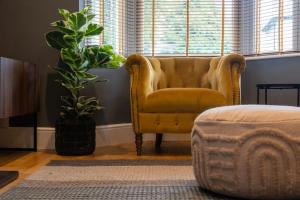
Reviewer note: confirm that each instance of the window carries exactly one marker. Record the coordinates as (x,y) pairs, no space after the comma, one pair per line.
(95,9)
(269,26)
(198,27)
(169,27)
(116,16)
(186,27)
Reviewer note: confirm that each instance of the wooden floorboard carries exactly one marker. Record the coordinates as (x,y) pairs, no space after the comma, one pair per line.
(29,162)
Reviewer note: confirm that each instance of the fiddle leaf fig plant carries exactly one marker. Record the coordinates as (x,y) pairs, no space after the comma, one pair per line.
(79,59)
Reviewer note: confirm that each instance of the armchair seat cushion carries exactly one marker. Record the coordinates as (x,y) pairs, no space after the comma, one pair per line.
(183,100)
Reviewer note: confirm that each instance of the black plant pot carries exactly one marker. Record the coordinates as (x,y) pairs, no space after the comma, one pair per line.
(75,136)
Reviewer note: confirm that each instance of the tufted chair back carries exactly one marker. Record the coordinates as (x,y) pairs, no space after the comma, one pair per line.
(180,72)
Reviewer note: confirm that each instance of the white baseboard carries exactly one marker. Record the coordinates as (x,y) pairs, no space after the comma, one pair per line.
(105,136)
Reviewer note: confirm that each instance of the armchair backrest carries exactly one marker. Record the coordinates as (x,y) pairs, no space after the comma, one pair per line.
(181,72)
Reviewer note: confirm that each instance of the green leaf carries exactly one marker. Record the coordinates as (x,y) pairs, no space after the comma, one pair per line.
(83,114)
(84,64)
(65,85)
(55,39)
(68,72)
(91,100)
(67,108)
(79,105)
(116,61)
(93,29)
(81,99)
(107,49)
(95,57)
(80,75)
(71,58)
(80,36)
(90,17)
(86,10)
(65,74)
(102,58)
(68,80)
(74,90)
(70,40)
(61,25)
(64,13)
(86,75)
(78,20)
(67,100)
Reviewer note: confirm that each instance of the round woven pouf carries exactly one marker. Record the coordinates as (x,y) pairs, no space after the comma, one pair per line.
(248,151)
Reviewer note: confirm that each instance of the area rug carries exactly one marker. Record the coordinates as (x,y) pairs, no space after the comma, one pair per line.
(112,179)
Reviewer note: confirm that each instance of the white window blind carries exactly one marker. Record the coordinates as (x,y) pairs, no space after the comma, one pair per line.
(288,15)
(205,27)
(144,27)
(113,23)
(198,27)
(269,26)
(186,27)
(97,10)
(117,18)
(170,27)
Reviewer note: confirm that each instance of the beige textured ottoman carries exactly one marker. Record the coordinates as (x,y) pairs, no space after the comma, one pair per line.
(249,151)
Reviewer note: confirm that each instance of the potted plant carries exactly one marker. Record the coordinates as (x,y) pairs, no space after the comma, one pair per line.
(75,128)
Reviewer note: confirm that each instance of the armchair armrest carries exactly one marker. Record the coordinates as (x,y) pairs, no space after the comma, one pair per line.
(141,75)
(228,75)
(141,83)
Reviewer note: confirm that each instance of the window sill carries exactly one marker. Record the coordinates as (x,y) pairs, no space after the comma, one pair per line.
(263,57)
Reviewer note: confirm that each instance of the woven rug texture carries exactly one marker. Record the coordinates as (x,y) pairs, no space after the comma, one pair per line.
(112,179)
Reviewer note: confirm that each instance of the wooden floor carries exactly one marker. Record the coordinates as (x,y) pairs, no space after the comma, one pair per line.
(29,162)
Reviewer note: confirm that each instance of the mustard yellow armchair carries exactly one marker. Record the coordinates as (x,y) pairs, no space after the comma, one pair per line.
(168,93)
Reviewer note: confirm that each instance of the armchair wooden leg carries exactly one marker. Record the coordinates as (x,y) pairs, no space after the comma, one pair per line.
(138,143)
(159,137)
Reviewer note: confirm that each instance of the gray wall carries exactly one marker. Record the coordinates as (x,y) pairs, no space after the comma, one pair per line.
(23,23)
(275,70)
